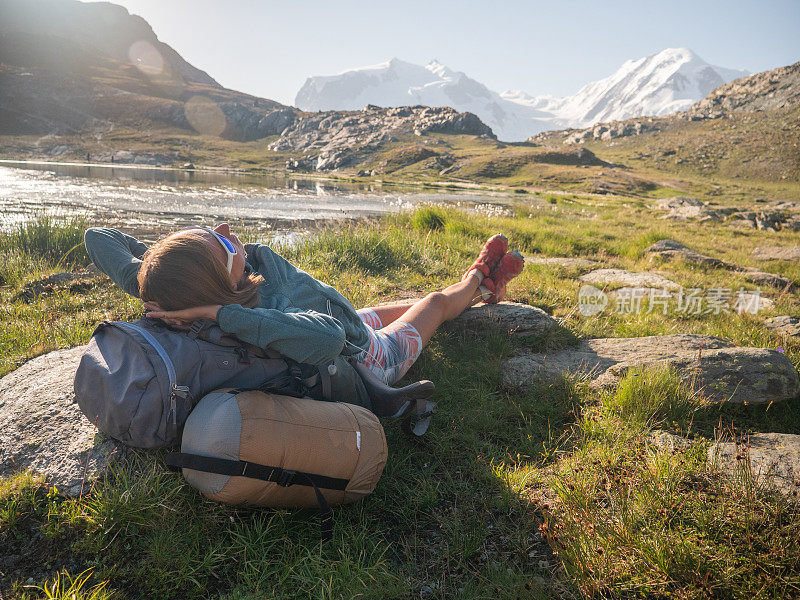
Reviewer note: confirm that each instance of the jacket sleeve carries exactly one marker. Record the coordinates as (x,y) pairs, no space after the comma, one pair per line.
(117,255)
(302,335)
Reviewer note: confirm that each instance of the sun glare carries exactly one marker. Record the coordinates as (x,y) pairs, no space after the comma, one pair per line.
(146,58)
(205,116)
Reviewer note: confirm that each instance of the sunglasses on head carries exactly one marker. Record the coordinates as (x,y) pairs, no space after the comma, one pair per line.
(227,245)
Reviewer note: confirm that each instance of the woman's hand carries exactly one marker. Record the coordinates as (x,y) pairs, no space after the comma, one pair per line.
(183,317)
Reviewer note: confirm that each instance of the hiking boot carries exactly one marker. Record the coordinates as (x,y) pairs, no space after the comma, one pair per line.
(510,266)
(489,258)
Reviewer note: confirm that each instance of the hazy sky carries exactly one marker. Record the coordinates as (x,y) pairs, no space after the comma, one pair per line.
(268,48)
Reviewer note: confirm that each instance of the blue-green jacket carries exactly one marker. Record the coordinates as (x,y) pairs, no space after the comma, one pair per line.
(297,315)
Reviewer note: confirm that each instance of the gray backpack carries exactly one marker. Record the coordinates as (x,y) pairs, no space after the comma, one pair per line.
(138,382)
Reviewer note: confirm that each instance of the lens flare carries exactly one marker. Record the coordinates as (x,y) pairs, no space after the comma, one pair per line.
(146,58)
(205,116)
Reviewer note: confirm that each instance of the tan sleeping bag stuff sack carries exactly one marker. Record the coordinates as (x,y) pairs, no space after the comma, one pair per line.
(260,449)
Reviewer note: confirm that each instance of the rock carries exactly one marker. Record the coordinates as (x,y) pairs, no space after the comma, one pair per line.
(773,457)
(603,277)
(777,253)
(52,283)
(603,131)
(561,261)
(768,221)
(770,279)
(738,375)
(670,249)
(785,325)
(684,208)
(337,139)
(757,302)
(593,357)
(517,319)
(42,428)
(678,202)
(720,372)
(668,442)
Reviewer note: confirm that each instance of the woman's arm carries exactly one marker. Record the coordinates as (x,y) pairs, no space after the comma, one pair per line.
(302,335)
(117,255)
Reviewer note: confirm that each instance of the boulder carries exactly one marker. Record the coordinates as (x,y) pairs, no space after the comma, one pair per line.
(785,325)
(710,364)
(591,358)
(516,319)
(42,428)
(620,277)
(739,375)
(560,261)
(670,249)
(770,279)
(774,459)
(777,253)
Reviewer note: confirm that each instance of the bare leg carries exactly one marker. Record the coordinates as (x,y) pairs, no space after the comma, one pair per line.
(434,309)
(389,313)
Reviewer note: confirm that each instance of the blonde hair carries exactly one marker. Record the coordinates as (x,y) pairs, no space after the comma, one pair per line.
(182,271)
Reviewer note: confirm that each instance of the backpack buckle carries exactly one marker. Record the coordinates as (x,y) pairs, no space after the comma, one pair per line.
(286,478)
(195,328)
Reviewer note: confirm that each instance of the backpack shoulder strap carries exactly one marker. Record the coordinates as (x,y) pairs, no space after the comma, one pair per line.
(209,331)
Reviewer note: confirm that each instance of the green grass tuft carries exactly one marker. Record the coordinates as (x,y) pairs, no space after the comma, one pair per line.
(428,219)
(651,396)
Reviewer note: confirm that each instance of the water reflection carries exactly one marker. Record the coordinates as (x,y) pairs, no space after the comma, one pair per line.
(156,199)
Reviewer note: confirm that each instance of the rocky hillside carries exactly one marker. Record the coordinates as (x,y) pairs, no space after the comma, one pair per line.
(770,90)
(746,129)
(71,70)
(778,89)
(335,139)
(72,67)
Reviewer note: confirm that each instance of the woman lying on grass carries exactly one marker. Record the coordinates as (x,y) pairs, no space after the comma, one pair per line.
(259,297)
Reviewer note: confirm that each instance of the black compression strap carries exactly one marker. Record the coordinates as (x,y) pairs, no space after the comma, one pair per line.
(243,468)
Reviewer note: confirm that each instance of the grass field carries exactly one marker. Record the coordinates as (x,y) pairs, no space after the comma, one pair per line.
(549,493)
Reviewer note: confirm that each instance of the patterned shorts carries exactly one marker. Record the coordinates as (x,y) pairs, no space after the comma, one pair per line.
(392,349)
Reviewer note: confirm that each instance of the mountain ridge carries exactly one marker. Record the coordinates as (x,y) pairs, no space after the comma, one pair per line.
(70,66)
(661,83)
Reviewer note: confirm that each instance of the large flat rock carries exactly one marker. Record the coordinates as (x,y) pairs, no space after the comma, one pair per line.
(721,372)
(671,250)
(512,317)
(777,253)
(42,428)
(593,357)
(740,375)
(773,457)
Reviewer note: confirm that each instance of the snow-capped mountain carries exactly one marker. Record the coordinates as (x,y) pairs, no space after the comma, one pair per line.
(399,83)
(662,83)
(656,85)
